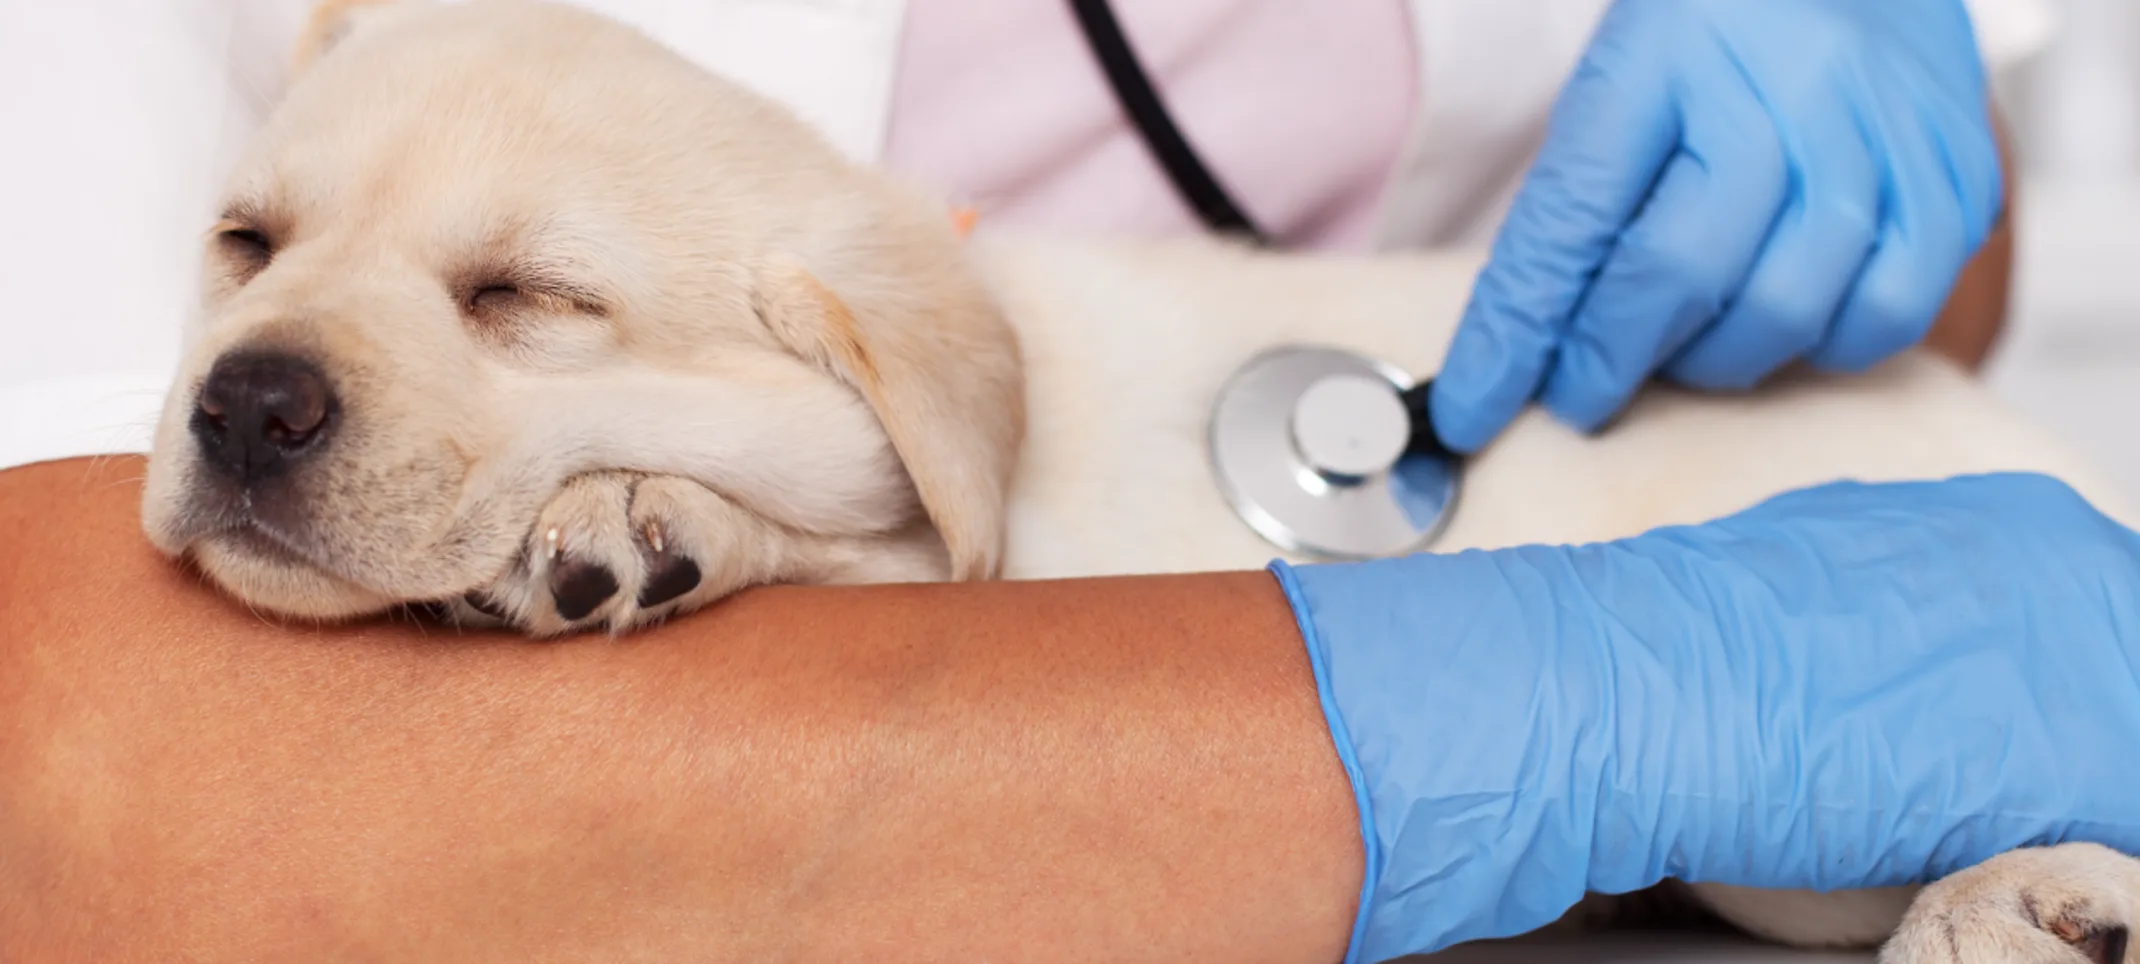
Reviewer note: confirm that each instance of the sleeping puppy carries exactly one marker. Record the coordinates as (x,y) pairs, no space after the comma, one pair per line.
(484,249)
(514,312)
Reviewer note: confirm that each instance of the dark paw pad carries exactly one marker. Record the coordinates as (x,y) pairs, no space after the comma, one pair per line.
(578,587)
(672,577)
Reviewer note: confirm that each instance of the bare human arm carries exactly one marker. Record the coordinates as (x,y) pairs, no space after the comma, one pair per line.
(1117,770)
(1975,316)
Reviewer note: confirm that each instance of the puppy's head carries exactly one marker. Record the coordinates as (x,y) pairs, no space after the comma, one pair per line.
(482,247)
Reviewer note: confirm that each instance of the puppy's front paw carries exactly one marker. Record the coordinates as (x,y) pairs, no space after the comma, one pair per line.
(620,550)
(2071,904)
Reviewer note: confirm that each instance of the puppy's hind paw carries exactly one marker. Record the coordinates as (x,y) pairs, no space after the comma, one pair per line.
(2070,904)
(621,550)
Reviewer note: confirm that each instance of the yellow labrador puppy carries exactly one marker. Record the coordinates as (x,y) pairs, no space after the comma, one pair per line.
(514,311)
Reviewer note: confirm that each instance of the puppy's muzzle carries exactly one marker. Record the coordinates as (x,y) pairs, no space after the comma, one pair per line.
(261,412)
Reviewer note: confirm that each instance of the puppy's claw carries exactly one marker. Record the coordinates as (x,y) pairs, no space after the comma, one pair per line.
(551,539)
(579,587)
(2101,943)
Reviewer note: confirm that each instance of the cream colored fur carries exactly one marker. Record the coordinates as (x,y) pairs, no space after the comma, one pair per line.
(678,254)
(716,341)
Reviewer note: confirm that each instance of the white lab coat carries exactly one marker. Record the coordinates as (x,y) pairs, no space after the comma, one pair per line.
(121,115)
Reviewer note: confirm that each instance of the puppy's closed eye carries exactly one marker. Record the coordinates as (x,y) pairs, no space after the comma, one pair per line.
(246,249)
(530,322)
(533,322)
(495,297)
(493,302)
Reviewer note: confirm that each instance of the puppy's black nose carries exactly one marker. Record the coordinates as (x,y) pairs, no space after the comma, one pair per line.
(260,412)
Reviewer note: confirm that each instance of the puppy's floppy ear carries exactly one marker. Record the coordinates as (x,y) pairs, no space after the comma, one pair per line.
(332,22)
(935,359)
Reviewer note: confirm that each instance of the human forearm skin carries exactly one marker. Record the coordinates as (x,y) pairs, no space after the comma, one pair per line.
(1120,770)
(1975,316)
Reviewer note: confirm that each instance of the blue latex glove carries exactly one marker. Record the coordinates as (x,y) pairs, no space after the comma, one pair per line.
(1847,686)
(1727,186)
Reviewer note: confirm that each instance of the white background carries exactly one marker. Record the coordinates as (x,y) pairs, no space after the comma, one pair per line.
(2071,357)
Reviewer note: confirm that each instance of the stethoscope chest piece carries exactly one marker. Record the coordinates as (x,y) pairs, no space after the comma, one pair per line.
(1326,453)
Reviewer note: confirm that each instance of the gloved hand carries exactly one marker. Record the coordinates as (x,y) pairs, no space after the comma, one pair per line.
(1848,686)
(1726,187)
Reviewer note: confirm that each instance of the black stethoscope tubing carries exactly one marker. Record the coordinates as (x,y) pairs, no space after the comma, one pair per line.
(1193,179)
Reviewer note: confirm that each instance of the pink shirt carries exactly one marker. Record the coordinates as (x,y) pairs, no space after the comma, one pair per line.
(1299,108)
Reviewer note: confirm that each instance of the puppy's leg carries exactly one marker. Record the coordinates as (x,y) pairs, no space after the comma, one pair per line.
(705,547)
(621,550)
(2070,904)
(1850,919)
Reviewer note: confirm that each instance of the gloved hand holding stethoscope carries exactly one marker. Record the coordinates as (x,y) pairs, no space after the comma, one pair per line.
(1725,188)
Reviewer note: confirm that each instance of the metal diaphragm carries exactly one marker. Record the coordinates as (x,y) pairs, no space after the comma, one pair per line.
(1316,449)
